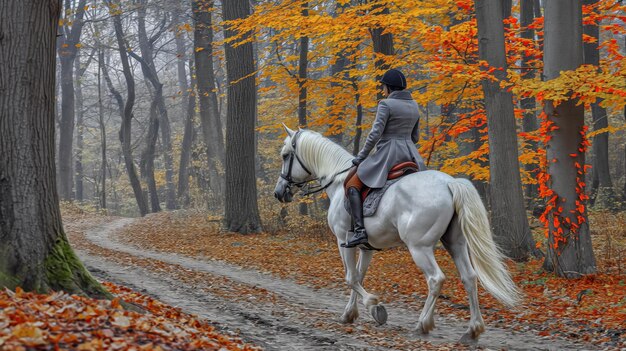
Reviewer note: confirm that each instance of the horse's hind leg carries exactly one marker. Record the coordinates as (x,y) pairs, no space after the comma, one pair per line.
(455,243)
(424,257)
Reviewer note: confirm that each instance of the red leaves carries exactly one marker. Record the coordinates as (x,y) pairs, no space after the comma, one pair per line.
(557,223)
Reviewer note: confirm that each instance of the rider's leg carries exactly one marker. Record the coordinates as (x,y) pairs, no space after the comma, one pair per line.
(353,192)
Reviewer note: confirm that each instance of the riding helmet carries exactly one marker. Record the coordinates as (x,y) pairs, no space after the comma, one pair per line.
(394,78)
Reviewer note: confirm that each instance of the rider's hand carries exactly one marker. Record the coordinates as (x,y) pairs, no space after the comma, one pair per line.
(357,161)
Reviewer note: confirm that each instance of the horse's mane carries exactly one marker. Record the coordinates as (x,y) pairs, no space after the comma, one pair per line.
(323,155)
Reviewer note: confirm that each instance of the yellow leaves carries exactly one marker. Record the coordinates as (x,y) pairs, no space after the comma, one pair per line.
(198,49)
(29,334)
(185,28)
(609,129)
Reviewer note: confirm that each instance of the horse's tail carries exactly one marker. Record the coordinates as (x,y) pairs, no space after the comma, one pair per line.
(486,257)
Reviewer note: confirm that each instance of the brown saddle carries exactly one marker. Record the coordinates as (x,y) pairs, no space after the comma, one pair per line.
(397,171)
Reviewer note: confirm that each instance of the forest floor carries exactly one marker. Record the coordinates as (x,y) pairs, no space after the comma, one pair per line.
(286,290)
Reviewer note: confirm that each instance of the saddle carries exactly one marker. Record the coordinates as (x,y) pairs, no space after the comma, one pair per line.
(397,171)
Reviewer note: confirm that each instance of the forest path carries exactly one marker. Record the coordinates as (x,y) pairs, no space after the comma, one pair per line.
(277,314)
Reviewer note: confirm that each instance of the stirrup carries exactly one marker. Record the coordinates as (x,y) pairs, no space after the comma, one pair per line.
(367,246)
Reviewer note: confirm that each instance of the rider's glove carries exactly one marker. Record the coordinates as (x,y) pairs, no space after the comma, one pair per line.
(357,161)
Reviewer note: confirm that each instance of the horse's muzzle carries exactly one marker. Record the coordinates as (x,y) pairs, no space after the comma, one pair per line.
(283,192)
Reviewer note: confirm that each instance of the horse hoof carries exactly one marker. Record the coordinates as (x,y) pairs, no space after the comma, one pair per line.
(349,317)
(371,301)
(379,313)
(424,328)
(469,338)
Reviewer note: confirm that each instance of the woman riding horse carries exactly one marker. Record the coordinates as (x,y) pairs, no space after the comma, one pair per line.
(394,133)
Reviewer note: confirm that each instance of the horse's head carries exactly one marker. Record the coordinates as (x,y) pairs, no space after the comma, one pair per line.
(294,173)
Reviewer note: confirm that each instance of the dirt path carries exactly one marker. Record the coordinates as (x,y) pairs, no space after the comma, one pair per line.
(274,313)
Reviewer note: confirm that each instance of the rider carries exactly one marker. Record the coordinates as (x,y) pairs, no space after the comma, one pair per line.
(394,132)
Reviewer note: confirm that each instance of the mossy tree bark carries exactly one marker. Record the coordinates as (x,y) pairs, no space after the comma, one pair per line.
(34,251)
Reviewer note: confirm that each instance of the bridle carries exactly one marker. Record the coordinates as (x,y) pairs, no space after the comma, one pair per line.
(293,155)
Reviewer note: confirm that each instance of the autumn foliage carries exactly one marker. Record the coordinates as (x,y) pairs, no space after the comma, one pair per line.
(60,321)
(436,45)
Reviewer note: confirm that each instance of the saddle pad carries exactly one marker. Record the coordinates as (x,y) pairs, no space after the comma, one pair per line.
(370,205)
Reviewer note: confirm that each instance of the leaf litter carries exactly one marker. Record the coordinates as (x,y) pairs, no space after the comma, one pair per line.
(590,309)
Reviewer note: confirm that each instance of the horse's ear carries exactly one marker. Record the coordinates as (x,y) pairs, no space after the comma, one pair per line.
(289,131)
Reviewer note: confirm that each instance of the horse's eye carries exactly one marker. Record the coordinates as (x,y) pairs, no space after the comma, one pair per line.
(284,157)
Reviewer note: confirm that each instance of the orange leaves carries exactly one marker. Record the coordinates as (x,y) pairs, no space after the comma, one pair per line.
(62,321)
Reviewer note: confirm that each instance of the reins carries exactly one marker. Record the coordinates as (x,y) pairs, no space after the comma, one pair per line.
(293,155)
(322,188)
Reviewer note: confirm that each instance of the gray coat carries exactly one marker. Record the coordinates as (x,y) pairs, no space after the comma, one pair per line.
(394,132)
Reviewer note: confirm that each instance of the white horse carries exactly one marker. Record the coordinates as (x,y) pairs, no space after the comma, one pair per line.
(417,211)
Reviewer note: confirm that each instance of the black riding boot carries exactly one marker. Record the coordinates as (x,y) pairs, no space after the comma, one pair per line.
(356,207)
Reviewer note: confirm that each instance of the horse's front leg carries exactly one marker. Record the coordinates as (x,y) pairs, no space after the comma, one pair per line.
(355,273)
(377,310)
(351,312)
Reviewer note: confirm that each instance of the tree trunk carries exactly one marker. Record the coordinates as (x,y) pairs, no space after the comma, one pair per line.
(303,64)
(383,43)
(383,46)
(602,189)
(146,165)
(127,116)
(67,50)
(537,8)
(529,122)
(189,108)
(209,115)
(103,134)
(507,6)
(35,253)
(508,215)
(66,129)
(241,209)
(80,126)
(572,255)
(146,46)
(338,70)
(359,118)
